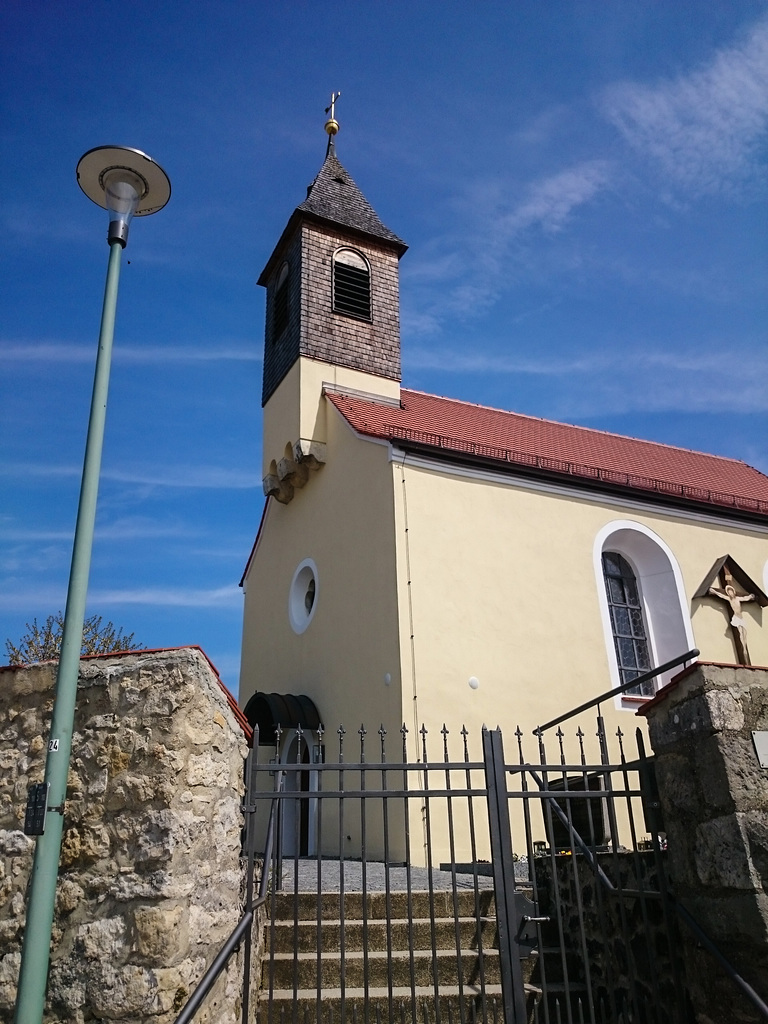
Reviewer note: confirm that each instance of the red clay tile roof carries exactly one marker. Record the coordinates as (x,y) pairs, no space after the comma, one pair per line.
(611,460)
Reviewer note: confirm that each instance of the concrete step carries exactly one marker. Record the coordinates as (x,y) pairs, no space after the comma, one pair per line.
(285,970)
(304,936)
(452,1005)
(302,919)
(303,906)
(377,1005)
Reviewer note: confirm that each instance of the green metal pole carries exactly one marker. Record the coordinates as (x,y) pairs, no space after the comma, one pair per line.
(36,950)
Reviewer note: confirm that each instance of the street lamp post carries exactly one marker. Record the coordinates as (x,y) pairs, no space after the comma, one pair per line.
(127,183)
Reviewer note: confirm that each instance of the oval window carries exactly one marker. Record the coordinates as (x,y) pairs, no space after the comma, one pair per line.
(302,596)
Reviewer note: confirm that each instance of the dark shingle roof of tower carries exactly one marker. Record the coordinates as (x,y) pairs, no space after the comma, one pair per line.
(335,197)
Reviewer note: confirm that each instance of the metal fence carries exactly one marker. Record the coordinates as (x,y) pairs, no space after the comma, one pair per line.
(462,884)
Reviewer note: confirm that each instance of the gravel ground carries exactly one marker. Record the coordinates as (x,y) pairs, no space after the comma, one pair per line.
(303,874)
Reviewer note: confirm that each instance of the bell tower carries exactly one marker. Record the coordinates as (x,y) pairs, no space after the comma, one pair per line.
(332,318)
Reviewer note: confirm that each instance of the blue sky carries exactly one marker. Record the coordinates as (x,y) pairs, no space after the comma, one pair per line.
(582,186)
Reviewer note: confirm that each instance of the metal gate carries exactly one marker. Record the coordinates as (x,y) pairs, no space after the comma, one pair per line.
(445,881)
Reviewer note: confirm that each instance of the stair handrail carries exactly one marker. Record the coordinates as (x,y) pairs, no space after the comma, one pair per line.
(206,983)
(682,912)
(637,681)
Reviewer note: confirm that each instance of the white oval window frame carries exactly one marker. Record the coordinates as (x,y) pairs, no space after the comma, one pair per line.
(298,616)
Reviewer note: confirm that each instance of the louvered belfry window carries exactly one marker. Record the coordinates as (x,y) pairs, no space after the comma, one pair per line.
(627,623)
(351,284)
(280,319)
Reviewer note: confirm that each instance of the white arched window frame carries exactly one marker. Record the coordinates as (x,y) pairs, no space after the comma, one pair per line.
(662,592)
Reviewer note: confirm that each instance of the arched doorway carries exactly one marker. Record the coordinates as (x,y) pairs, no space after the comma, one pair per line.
(298,817)
(291,723)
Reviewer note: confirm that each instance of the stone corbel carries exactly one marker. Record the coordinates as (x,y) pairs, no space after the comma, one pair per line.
(293,469)
(276,488)
(311,454)
(291,472)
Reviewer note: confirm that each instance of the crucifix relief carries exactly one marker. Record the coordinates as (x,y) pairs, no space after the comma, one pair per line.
(738,628)
(728,582)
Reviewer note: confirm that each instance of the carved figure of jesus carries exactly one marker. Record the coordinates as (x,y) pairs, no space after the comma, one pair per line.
(737,622)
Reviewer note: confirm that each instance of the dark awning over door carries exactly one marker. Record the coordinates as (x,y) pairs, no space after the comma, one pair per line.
(266,711)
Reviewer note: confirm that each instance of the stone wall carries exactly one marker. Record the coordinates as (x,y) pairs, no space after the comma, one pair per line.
(714,798)
(150,880)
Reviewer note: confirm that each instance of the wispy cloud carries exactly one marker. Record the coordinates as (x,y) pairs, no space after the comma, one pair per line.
(123,529)
(703,129)
(63,352)
(34,469)
(465,272)
(550,202)
(660,380)
(180,597)
(203,477)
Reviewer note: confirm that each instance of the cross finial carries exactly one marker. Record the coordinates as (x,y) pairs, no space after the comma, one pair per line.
(332,125)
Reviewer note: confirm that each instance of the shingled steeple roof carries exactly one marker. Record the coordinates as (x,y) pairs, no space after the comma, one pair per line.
(334,198)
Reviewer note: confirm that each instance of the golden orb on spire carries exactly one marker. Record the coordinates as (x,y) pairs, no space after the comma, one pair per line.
(332,125)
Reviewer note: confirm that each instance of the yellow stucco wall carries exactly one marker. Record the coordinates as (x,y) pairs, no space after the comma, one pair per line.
(428,577)
(298,410)
(503,589)
(343,520)
(498,583)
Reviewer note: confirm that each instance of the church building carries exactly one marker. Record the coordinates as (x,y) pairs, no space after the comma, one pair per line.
(427,560)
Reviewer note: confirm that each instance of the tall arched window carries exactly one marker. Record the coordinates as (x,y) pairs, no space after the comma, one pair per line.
(351,284)
(630,636)
(643,604)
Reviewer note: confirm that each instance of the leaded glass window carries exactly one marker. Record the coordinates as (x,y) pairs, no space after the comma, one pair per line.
(627,622)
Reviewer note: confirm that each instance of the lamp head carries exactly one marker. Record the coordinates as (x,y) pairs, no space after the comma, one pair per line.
(126,182)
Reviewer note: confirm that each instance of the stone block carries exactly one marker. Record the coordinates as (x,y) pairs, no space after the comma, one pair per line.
(161,933)
(205,770)
(747,781)
(101,939)
(755,827)
(722,854)
(117,992)
(712,777)
(68,895)
(9,972)
(84,844)
(679,786)
(724,710)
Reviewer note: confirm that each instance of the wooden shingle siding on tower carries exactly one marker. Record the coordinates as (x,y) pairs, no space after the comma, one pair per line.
(281,353)
(373,347)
